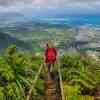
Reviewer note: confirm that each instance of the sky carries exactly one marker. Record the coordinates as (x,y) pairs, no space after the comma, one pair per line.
(51,6)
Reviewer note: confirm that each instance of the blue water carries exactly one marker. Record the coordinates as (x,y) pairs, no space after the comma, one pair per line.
(66,20)
(73,20)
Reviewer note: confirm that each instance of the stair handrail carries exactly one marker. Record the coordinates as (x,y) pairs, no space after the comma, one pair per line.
(34,82)
(61,82)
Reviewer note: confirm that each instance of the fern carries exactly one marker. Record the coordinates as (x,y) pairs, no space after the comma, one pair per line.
(77,69)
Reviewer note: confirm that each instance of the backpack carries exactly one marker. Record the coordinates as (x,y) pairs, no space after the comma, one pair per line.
(51,54)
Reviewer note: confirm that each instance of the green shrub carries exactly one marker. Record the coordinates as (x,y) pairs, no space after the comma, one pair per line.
(17,71)
(80,69)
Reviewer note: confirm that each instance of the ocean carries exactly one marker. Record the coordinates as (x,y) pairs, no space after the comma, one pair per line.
(73,20)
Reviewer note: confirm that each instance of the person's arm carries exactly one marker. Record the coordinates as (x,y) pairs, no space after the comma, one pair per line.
(57,57)
(44,58)
(44,61)
(44,55)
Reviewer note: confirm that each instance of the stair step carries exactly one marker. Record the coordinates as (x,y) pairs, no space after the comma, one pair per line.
(50,92)
(51,88)
(54,97)
(49,81)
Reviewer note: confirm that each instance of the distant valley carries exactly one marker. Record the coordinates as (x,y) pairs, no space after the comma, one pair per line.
(67,33)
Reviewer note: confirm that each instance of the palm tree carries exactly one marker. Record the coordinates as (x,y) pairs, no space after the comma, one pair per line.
(16,75)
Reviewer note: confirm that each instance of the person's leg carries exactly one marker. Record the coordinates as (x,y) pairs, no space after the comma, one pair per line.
(49,67)
(49,74)
(52,67)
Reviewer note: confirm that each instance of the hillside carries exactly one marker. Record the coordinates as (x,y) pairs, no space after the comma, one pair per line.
(6,40)
(68,32)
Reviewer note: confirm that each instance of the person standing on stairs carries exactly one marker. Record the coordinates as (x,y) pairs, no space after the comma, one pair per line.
(50,56)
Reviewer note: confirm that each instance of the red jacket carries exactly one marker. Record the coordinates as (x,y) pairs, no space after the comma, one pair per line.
(50,55)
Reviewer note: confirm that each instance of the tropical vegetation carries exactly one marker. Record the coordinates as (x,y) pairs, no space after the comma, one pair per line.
(80,73)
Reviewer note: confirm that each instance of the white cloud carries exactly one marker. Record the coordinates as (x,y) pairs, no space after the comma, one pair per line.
(77,5)
(46,2)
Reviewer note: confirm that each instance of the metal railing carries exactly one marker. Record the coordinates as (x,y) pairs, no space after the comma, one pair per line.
(34,82)
(61,83)
(36,78)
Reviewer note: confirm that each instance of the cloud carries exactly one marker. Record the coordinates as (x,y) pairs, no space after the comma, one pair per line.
(77,5)
(45,2)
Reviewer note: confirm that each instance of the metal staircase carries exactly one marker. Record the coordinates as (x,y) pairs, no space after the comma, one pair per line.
(53,86)
(51,90)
